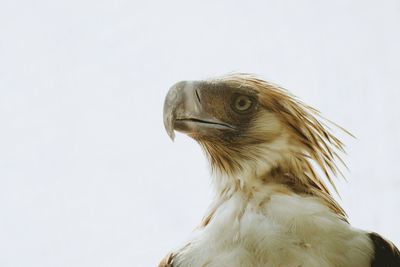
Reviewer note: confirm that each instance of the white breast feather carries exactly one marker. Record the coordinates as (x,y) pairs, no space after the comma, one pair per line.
(285,231)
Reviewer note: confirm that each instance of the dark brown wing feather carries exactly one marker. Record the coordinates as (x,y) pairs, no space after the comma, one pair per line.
(386,254)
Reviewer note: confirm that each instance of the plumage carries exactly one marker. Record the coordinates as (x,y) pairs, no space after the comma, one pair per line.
(385,253)
(271,156)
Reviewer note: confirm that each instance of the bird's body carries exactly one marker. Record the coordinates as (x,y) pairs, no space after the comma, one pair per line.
(272,229)
(271,207)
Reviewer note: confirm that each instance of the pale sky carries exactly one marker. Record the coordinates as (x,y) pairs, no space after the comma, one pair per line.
(88,176)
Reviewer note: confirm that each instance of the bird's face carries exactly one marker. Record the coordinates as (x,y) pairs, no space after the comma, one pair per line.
(229,121)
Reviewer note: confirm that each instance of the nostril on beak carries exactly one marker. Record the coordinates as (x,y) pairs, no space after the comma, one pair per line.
(197,95)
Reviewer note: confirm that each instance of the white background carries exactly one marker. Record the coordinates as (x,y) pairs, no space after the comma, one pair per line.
(88,176)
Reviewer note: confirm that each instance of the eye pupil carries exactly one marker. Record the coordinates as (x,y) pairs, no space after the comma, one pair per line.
(242,103)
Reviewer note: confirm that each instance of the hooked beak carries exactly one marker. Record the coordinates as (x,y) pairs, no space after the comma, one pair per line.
(185,112)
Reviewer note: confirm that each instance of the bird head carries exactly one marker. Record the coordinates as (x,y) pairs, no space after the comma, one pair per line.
(230,120)
(250,128)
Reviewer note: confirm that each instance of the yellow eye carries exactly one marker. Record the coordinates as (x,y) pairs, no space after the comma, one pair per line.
(242,103)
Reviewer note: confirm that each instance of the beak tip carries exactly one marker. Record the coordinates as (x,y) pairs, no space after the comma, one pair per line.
(169,124)
(171,135)
(173,103)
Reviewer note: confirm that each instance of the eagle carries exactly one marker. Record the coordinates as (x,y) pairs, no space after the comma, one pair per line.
(272,158)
